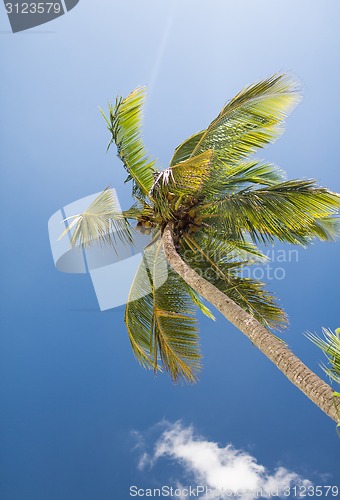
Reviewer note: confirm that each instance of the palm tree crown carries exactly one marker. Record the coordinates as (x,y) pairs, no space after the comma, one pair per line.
(221,203)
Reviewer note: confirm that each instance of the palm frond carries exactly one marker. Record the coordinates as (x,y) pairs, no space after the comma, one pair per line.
(184,150)
(180,181)
(100,222)
(160,319)
(294,211)
(224,242)
(197,300)
(248,122)
(124,123)
(229,179)
(327,228)
(188,177)
(221,264)
(222,246)
(330,345)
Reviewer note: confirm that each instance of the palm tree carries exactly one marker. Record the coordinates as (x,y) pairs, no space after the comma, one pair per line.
(206,214)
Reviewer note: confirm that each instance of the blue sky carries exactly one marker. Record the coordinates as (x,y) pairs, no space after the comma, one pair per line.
(78,413)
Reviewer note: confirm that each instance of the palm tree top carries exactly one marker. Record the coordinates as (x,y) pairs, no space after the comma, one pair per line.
(220,202)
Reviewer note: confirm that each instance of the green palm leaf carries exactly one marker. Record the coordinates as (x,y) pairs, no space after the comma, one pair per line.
(221,263)
(183,180)
(124,124)
(160,319)
(225,180)
(198,301)
(228,179)
(249,121)
(184,150)
(327,228)
(188,177)
(294,211)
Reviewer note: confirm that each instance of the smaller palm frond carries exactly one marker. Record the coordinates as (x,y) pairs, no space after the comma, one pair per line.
(327,228)
(294,211)
(221,263)
(198,301)
(225,179)
(124,123)
(160,319)
(184,150)
(175,184)
(238,249)
(188,177)
(223,245)
(248,122)
(251,295)
(330,345)
(101,222)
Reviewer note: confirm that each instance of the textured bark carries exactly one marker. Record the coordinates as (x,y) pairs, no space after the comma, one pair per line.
(297,372)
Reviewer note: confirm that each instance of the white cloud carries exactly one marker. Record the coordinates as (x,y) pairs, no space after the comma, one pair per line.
(220,469)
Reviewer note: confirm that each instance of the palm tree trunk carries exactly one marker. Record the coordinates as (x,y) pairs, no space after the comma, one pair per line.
(299,374)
